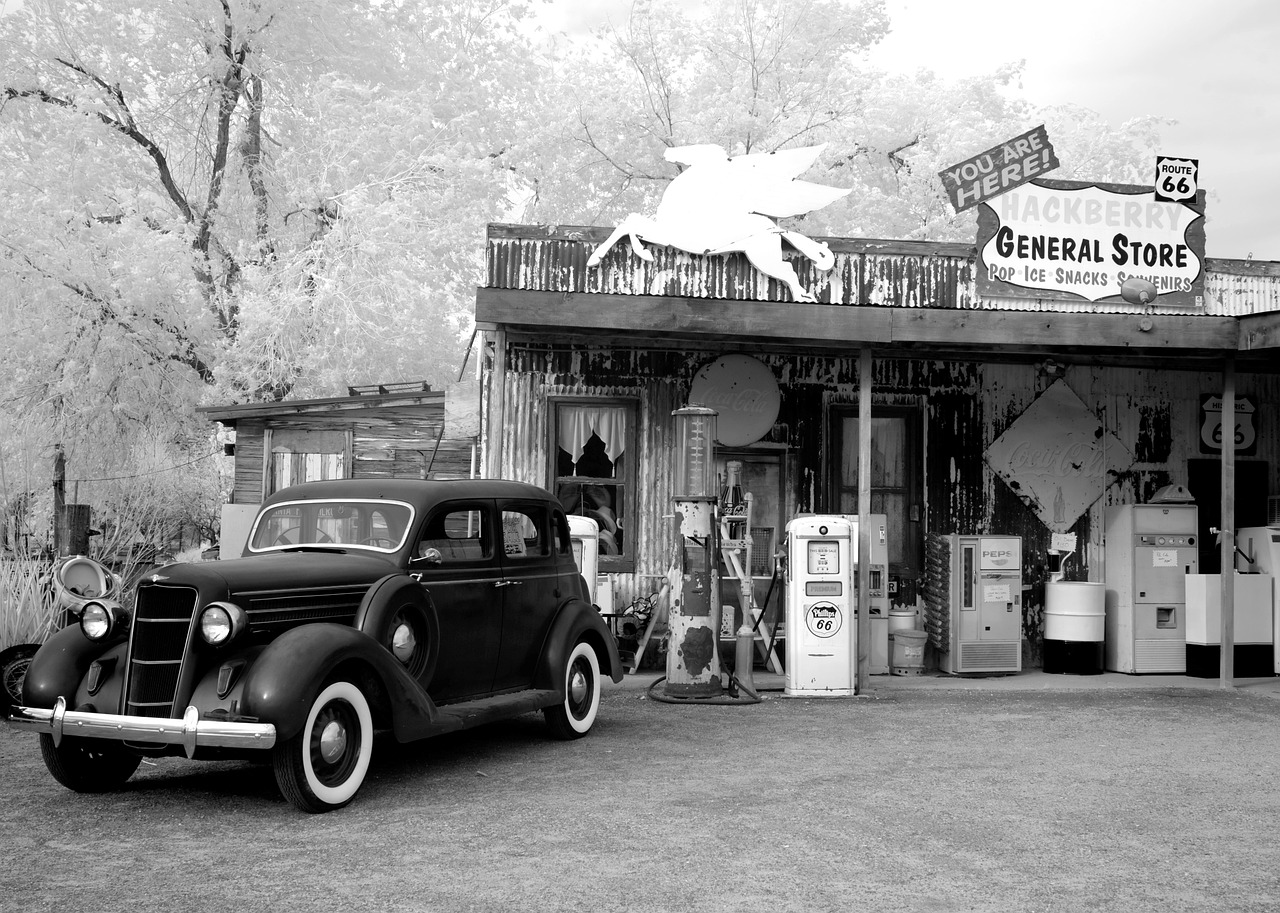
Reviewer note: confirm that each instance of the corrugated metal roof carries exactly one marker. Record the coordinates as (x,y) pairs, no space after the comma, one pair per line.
(867,272)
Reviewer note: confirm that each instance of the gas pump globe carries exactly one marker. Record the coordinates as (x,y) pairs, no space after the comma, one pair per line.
(695,469)
(693,666)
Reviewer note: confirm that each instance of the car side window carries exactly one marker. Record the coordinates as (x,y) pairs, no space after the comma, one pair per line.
(524,531)
(457,536)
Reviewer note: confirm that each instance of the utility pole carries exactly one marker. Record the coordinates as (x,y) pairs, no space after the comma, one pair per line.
(59,500)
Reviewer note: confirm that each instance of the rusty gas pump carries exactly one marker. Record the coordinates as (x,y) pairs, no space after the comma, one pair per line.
(693,662)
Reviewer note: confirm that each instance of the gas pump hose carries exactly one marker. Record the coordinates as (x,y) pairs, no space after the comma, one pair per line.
(751,698)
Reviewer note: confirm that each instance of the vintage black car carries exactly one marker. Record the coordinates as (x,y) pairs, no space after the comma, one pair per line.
(419,607)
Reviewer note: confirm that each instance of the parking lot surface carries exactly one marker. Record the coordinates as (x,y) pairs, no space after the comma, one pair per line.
(1049,793)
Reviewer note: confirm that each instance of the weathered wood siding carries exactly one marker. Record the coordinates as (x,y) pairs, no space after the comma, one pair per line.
(250,438)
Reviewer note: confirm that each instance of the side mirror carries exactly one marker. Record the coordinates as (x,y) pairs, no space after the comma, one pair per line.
(429,556)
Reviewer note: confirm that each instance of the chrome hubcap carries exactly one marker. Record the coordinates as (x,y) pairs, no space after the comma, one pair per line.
(333,741)
(403,643)
(577,686)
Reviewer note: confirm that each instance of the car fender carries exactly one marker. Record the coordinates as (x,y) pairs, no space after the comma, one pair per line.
(385,598)
(576,620)
(60,665)
(286,676)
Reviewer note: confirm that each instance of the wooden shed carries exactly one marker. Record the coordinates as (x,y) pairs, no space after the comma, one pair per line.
(395,431)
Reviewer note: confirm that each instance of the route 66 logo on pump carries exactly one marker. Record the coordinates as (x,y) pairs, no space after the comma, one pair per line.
(823,619)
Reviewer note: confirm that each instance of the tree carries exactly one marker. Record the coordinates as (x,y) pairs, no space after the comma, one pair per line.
(238,200)
(233,200)
(762,75)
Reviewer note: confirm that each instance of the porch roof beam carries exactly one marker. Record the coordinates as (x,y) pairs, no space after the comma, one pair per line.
(1123,336)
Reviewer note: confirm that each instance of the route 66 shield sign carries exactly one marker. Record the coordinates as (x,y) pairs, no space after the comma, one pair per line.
(1245,435)
(1176,179)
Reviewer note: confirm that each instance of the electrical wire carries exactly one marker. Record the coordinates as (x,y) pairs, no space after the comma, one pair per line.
(154,472)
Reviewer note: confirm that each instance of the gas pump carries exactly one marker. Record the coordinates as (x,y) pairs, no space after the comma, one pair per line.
(821,626)
(693,662)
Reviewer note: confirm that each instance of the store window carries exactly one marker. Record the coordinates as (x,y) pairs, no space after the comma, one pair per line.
(594,471)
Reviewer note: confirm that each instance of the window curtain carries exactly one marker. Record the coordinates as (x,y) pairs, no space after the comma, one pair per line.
(577,423)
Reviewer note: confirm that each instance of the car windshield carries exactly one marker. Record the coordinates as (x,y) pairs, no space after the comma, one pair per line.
(376,525)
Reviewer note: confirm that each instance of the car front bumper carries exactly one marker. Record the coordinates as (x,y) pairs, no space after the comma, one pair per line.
(190,732)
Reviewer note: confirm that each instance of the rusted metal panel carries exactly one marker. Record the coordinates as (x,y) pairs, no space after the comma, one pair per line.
(1243,291)
(909,276)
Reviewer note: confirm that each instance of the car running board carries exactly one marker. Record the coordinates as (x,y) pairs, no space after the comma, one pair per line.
(466,714)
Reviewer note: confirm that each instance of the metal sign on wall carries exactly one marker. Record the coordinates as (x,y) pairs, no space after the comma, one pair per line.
(1056,456)
(744,393)
(1211,436)
(1073,240)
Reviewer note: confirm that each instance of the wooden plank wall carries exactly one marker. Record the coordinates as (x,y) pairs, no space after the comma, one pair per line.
(966,406)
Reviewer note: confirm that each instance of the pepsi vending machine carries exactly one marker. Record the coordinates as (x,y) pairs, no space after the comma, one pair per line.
(985,633)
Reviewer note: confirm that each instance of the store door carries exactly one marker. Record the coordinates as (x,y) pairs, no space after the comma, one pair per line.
(895,485)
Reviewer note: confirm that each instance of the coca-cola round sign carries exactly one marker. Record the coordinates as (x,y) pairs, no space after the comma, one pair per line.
(745,394)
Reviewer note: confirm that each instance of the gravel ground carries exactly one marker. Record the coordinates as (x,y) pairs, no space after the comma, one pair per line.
(1055,800)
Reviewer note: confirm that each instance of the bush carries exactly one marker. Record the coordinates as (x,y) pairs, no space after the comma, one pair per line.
(28,608)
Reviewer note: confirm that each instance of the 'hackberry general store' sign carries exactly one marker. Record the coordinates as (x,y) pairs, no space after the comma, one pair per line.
(1072,240)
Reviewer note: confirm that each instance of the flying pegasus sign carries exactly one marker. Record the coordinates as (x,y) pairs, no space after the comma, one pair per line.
(721,203)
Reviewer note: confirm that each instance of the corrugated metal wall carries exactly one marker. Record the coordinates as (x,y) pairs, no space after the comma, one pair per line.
(966,406)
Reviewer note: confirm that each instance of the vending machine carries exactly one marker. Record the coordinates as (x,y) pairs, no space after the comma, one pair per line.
(1258,552)
(878,576)
(1150,549)
(821,593)
(984,633)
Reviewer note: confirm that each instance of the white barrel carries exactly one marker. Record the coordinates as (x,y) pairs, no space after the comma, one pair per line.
(903,619)
(1075,610)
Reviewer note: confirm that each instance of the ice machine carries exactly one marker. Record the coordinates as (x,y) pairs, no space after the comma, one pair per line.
(1150,549)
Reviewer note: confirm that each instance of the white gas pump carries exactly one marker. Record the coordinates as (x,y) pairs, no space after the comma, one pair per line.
(822,631)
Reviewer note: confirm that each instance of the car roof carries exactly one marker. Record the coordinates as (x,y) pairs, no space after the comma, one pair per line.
(418,492)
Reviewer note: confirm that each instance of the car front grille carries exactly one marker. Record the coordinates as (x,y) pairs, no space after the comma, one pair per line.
(161,633)
(273,613)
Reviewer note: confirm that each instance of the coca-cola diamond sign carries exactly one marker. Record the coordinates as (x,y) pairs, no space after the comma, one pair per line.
(1056,457)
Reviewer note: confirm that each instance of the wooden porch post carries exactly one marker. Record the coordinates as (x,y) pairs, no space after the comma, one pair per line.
(1226,639)
(497,404)
(862,659)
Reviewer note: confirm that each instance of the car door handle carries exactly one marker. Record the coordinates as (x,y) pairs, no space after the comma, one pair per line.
(509,583)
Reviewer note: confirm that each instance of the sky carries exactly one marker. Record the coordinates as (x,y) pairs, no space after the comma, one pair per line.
(1211,67)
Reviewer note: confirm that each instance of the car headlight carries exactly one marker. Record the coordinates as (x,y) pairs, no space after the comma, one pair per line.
(222,622)
(101,619)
